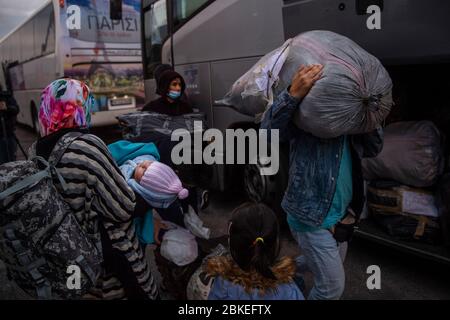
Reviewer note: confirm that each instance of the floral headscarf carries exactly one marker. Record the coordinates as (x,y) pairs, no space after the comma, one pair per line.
(65,103)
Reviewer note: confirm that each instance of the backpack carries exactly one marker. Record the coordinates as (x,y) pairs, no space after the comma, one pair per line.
(44,248)
(200,283)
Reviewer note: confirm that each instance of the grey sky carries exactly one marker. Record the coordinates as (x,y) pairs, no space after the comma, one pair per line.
(13,12)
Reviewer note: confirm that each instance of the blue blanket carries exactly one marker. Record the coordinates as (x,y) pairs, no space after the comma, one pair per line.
(125,150)
(127,156)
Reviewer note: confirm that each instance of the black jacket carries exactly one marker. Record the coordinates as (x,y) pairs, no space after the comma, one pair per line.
(8,116)
(163,106)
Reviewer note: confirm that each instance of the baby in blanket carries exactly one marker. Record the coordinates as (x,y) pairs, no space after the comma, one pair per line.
(158,178)
(157,184)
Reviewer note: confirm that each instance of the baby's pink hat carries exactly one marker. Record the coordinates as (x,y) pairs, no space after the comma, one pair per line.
(162,179)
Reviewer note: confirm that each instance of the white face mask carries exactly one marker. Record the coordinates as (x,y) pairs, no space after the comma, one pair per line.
(174,94)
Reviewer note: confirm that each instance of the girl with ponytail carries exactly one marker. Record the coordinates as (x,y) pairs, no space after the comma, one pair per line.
(253,270)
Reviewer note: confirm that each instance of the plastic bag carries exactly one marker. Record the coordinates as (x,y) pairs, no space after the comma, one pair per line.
(179,246)
(252,92)
(412,155)
(141,124)
(195,224)
(354,95)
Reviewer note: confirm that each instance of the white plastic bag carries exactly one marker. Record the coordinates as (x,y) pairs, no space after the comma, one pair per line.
(354,95)
(252,92)
(195,224)
(179,246)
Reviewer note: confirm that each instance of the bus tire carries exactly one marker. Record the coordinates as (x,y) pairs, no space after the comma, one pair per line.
(268,189)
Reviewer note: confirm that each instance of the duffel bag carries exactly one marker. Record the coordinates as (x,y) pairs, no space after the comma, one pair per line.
(412,154)
(139,124)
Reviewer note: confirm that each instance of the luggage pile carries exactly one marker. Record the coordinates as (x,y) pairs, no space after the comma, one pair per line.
(408,194)
(403,212)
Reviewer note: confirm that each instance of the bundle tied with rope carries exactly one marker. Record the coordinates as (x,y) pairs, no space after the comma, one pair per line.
(354,95)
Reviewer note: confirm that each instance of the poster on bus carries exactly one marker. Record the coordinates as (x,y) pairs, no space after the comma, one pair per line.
(104,53)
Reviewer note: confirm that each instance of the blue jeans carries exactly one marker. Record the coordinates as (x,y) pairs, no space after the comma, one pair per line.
(324,257)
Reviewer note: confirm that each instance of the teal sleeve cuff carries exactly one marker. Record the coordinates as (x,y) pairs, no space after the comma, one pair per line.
(144,228)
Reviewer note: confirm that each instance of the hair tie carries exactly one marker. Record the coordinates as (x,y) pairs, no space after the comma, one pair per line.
(258,239)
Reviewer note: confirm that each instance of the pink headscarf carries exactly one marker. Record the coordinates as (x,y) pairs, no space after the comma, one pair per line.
(65,103)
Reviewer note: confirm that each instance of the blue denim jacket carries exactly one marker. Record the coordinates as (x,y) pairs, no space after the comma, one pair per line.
(313,162)
(223,289)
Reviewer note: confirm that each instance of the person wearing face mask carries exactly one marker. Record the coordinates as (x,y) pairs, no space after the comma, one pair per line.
(170,86)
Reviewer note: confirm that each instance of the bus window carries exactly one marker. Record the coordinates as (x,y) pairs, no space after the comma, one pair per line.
(156,31)
(44,32)
(27,41)
(186,9)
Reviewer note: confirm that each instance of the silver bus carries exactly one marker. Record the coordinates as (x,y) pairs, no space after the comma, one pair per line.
(213,42)
(103,52)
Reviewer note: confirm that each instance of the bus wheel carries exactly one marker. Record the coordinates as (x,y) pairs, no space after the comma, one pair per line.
(255,184)
(267,189)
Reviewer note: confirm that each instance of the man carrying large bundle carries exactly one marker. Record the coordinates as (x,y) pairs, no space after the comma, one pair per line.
(332,122)
(325,182)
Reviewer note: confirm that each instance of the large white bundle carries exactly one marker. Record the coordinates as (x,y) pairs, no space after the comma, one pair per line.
(354,95)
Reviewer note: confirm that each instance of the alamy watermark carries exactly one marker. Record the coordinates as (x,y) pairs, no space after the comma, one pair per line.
(231,149)
(374,20)
(374,280)
(73,21)
(74,280)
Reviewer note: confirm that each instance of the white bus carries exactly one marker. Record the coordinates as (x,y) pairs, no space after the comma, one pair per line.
(104,53)
(213,42)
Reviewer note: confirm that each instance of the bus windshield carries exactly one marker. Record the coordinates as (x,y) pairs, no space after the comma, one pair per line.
(156,29)
(185,9)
